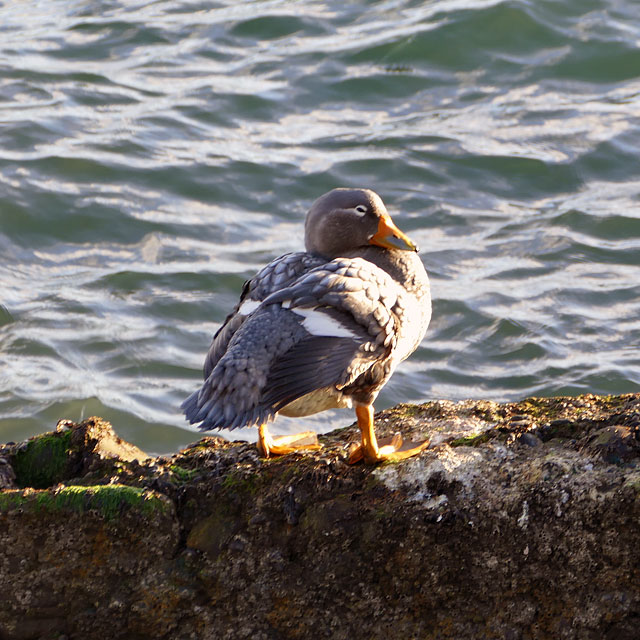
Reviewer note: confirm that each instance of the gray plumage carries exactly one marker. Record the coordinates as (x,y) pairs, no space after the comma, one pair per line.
(316,329)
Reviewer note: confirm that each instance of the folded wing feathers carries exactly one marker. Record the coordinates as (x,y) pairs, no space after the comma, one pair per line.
(279,273)
(352,286)
(346,308)
(314,363)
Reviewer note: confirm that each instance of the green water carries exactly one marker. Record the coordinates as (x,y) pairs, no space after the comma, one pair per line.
(153,155)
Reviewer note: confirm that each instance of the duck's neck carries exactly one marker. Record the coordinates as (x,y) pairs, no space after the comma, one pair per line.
(405,267)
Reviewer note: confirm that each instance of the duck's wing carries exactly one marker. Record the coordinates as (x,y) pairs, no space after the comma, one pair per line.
(331,327)
(278,274)
(349,309)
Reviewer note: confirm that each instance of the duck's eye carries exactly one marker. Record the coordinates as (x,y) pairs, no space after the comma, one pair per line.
(360,209)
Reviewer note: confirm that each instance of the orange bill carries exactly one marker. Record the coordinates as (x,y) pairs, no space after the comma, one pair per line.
(390,237)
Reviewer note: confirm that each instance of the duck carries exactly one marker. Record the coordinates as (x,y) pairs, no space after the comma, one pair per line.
(319,329)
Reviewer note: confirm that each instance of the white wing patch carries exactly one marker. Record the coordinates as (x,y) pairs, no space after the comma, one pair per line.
(318,323)
(248,306)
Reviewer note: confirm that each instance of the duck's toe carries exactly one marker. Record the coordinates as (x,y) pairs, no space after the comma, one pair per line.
(389,449)
(281,445)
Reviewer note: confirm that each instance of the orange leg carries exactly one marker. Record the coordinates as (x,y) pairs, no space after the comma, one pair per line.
(270,446)
(392,449)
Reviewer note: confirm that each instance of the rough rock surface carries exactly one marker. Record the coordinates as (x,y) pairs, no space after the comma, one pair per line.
(520,521)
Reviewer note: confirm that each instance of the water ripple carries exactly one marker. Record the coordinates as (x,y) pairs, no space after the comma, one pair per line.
(153,155)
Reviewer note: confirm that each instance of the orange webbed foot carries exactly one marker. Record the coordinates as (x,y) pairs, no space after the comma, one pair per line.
(388,449)
(281,445)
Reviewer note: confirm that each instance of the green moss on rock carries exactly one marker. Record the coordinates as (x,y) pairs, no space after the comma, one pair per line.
(473,441)
(108,500)
(10,500)
(241,482)
(43,461)
(182,474)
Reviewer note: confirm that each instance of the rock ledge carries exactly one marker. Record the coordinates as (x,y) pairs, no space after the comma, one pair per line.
(520,521)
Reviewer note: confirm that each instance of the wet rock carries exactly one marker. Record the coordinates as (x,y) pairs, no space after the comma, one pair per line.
(71,451)
(7,474)
(520,521)
(529,439)
(615,444)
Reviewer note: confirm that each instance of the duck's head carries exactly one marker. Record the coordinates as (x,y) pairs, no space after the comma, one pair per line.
(345,219)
